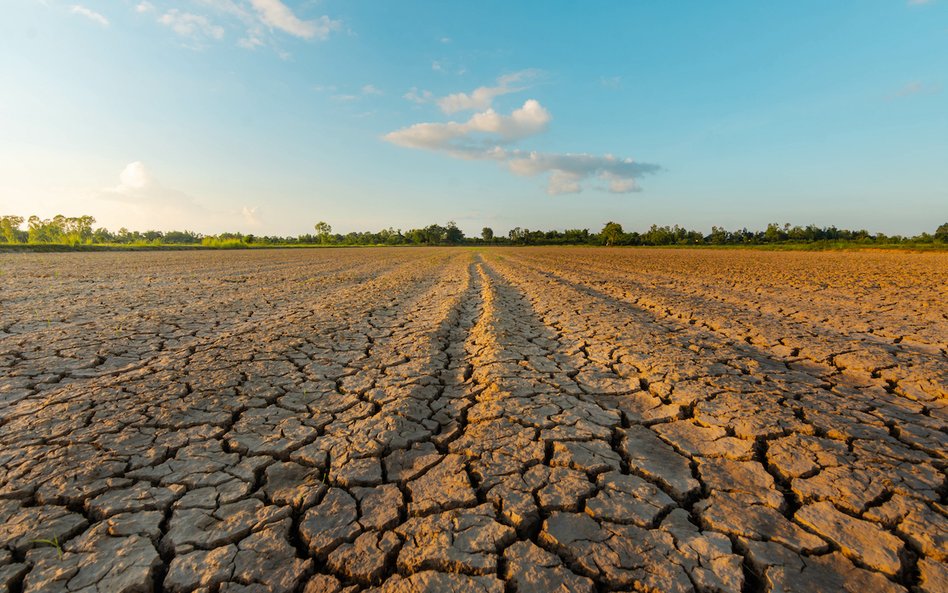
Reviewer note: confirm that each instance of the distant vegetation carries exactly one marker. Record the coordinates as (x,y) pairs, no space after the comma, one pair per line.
(78,231)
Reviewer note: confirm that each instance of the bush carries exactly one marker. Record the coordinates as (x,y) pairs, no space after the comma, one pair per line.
(223,243)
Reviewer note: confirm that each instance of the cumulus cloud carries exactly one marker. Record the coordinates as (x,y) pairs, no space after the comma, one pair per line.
(486,135)
(371,89)
(479,133)
(133,177)
(193,26)
(483,97)
(89,14)
(144,7)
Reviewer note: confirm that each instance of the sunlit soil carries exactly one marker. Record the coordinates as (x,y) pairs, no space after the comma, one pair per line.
(530,420)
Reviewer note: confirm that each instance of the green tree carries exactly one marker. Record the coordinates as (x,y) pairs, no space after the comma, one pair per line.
(452,234)
(102,235)
(718,236)
(487,234)
(323,232)
(77,230)
(9,225)
(941,233)
(416,236)
(45,230)
(434,234)
(773,233)
(576,236)
(612,233)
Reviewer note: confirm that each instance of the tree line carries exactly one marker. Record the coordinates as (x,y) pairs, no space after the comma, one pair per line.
(62,230)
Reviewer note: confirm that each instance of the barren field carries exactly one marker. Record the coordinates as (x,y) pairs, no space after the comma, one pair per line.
(533,420)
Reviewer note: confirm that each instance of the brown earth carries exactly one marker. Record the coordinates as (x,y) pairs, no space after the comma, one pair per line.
(530,420)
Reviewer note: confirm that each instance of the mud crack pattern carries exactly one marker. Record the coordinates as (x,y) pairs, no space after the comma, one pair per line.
(529,420)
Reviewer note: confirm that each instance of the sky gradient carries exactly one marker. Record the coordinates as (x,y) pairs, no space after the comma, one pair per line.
(265,116)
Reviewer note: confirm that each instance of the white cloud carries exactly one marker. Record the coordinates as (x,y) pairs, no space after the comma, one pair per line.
(567,170)
(485,135)
(416,96)
(564,182)
(142,201)
(192,26)
(250,42)
(254,23)
(89,14)
(483,97)
(251,216)
(133,177)
(470,139)
(370,89)
(277,15)
(619,184)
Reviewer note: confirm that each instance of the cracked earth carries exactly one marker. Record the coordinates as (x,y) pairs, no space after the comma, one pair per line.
(528,420)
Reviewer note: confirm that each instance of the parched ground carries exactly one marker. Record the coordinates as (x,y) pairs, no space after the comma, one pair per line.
(504,420)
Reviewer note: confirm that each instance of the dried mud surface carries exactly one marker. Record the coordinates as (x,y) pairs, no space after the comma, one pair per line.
(532,420)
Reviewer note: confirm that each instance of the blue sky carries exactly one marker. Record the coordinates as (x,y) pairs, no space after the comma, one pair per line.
(265,116)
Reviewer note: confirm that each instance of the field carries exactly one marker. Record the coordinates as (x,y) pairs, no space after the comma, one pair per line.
(532,420)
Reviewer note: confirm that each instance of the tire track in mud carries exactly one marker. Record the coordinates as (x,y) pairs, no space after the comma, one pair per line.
(603,520)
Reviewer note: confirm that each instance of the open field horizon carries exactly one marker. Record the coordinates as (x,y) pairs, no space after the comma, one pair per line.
(457,419)
(62,233)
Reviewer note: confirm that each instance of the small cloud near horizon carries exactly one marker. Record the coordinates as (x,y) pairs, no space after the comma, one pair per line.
(143,202)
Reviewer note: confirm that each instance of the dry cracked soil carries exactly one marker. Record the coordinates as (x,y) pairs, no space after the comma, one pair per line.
(529,420)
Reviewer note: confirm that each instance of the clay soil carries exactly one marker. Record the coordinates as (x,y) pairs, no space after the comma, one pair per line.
(522,420)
